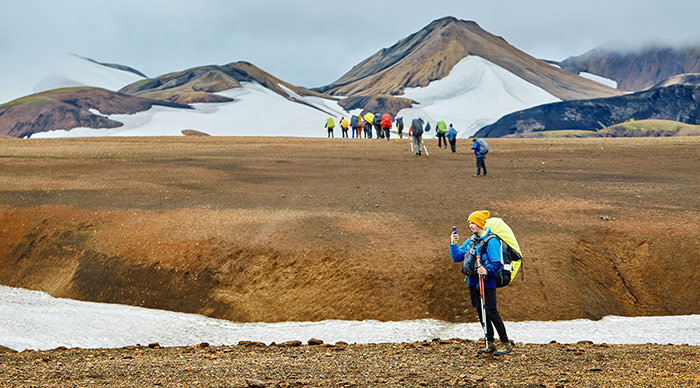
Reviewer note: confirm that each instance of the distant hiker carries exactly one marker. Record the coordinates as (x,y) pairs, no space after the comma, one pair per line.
(480,148)
(355,123)
(330,124)
(369,117)
(416,133)
(451,135)
(386,124)
(399,126)
(378,125)
(441,130)
(344,126)
(481,257)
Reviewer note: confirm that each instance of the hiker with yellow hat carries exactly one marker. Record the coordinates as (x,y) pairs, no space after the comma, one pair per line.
(481,259)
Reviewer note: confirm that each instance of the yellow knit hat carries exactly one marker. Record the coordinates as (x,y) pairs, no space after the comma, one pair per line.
(479,218)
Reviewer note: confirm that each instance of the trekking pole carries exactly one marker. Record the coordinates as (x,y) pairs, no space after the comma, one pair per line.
(411,143)
(483,305)
(483,311)
(425,147)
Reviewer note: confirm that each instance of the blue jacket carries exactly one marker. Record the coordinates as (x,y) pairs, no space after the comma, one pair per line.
(451,133)
(477,150)
(490,259)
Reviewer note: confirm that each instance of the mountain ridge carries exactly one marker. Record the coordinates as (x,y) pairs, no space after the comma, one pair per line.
(430,53)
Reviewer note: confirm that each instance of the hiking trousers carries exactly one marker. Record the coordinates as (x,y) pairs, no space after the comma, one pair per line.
(416,144)
(480,163)
(442,140)
(493,318)
(453,145)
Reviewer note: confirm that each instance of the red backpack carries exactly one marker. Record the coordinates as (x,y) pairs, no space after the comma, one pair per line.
(386,121)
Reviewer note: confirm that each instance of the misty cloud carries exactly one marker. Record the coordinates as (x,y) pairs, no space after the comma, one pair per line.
(313,42)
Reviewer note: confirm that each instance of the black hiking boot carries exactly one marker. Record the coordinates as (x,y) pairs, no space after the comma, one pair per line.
(507,348)
(490,348)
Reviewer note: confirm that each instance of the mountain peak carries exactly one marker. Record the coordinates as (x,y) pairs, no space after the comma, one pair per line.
(430,54)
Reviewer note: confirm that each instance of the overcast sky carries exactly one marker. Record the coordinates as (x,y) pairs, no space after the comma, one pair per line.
(313,42)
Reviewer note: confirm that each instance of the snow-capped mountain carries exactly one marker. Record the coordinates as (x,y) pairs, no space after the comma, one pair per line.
(455,71)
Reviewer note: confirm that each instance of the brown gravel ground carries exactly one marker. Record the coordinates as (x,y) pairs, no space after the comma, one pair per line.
(439,363)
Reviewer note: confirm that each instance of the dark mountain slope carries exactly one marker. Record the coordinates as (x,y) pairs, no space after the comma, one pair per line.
(678,103)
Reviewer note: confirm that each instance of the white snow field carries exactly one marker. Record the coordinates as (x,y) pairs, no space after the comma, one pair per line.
(36,320)
(56,70)
(475,93)
(255,111)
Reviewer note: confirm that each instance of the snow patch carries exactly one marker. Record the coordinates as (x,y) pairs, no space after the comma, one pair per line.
(599,79)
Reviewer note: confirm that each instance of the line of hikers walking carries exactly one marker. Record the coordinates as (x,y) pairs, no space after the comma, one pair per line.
(382,124)
(363,124)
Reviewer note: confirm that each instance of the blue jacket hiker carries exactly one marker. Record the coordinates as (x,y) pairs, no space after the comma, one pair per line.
(480,157)
(480,255)
(452,137)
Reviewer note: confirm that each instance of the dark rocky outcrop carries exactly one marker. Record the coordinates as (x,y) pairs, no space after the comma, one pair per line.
(678,103)
(115,66)
(193,132)
(69,108)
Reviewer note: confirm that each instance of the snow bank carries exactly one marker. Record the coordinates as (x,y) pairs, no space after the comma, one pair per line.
(35,320)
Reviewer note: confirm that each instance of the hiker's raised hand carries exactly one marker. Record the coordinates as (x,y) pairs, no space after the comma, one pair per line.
(454,238)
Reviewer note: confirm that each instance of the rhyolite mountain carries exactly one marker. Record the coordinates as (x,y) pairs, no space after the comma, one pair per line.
(431,53)
(677,103)
(68,108)
(200,84)
(638,68)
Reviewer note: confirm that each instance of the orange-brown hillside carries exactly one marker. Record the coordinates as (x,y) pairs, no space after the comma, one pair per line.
(272,229)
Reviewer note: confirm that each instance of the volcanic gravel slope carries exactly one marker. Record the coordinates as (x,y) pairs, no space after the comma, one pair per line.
(439,363)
